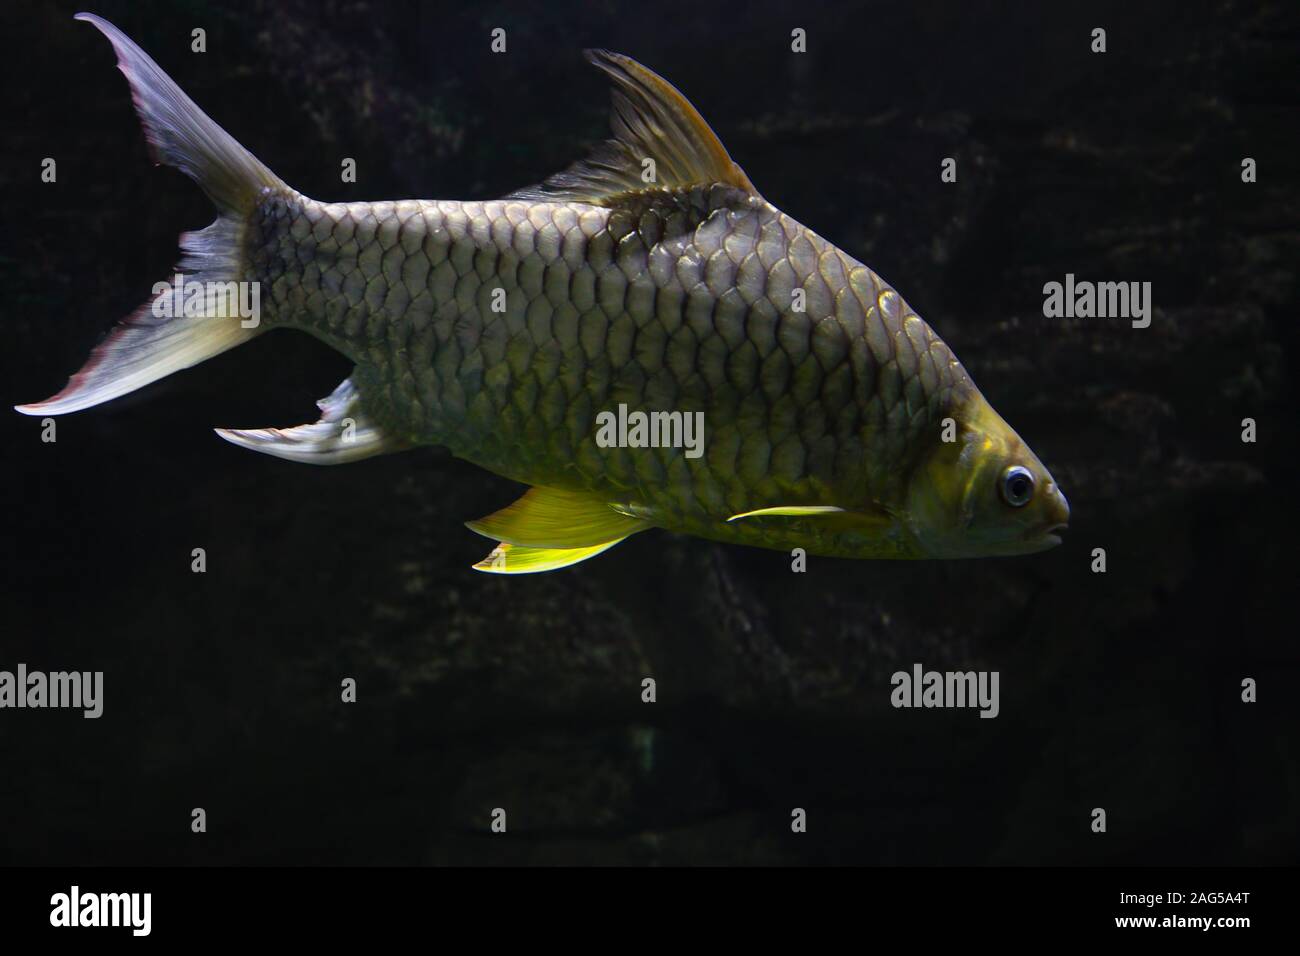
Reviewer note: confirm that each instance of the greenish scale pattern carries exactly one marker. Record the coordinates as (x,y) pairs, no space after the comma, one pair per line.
(670,301)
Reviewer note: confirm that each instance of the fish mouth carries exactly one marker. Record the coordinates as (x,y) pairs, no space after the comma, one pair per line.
(1053,534)
(1040,539)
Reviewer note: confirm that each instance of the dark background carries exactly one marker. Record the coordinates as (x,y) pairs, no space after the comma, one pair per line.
(1119,690)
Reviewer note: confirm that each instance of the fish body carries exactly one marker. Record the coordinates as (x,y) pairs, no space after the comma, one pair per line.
(832,417)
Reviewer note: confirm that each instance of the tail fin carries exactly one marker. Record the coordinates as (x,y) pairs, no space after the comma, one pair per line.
(151,343)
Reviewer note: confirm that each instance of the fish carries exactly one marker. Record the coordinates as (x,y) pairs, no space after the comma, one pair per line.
(649,284)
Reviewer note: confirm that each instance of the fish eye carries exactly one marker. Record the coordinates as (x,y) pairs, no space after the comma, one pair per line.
(1017,486)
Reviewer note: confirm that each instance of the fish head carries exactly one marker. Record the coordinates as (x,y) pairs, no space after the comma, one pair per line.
(984,493)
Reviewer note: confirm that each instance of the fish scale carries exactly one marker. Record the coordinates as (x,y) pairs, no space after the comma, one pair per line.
(649,278)
(683,302)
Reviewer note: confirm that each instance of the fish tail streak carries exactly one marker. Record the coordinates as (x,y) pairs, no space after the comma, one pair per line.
(159,339)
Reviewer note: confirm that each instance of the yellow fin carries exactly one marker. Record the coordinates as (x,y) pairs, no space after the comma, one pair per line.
(790,511)
(513,559)
(551,518)
(650,120)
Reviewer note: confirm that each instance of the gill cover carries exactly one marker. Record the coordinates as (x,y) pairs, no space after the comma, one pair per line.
(957,505)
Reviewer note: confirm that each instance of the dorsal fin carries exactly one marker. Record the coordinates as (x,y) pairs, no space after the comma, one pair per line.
(650,120)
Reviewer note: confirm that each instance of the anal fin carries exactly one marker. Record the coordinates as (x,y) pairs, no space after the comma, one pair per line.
(344,433)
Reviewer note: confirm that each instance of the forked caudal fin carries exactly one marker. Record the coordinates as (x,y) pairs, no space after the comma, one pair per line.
(158,339)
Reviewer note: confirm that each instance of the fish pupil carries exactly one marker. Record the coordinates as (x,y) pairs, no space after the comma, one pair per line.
(1018,486)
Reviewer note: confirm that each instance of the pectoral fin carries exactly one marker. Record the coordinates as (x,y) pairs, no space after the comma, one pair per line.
(833,517)
(515,559)
(789,511)
(554,519)
(344,433)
